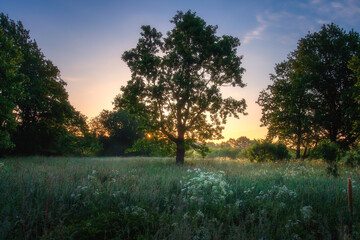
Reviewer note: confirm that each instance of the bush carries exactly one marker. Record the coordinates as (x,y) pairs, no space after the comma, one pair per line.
(267,151)
(330,153)
(352,158)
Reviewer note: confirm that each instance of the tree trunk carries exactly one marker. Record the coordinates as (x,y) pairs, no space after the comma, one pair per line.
(298,151)
(180,151)
(298,148)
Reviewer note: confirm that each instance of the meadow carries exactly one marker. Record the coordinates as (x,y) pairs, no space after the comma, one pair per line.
(153,198)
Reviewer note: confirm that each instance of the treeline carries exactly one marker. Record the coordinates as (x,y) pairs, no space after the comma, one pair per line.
(36,117)
(313,98)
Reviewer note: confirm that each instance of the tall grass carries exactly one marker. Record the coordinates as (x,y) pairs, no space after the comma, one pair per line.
(152,198)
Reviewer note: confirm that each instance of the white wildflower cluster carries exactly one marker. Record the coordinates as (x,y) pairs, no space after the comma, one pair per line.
(205,187)
(92,177)
(277,192)
(306,212)
(298,170)
(249,190)
(91,186)
(114,176)
(292,223)
(136,211)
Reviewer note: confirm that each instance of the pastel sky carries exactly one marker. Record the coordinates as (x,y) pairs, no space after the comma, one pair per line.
(86,38)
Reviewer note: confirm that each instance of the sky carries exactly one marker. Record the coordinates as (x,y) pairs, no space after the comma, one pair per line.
(86,38)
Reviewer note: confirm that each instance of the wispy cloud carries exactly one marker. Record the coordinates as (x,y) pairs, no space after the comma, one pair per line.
(322,21)
(255,34)
(282,21)
(347,10)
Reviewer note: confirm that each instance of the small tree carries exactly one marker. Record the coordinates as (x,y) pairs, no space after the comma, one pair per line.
(175,82)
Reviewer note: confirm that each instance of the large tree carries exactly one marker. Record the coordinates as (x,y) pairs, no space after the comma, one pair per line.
(287,107)
(314,90)
(10,88)
(324,56)
(38,102)
(175,81)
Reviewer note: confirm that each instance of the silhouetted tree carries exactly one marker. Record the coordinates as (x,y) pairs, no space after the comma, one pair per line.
(287,107)
(117,130)
(324,57)
(175,82)
(10,88)
(41,107)
(313,92)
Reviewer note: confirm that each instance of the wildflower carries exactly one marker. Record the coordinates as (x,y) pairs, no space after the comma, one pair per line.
(199,214)
(186,216)
(201,187)
(306,212)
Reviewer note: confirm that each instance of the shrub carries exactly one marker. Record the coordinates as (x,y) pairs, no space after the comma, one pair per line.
(352,158)
(267,151)
(330,153)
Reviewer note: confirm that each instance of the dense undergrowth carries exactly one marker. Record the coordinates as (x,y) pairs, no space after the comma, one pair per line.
(149,198)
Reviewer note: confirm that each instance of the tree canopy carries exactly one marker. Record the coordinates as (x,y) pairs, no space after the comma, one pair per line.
(313,94)
(33,97)
(175,81)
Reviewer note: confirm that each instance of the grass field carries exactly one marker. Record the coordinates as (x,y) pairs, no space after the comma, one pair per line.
(149,198)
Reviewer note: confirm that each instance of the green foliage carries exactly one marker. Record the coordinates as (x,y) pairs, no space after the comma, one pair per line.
(10,87)
(153,146)
(35,111)
(225,152)
(324,57)
(175,83)
(352,158)
(267,151)
(330,153)
(117,130)
(313,95)
(286,107)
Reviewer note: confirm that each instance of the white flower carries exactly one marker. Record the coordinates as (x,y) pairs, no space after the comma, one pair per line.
(199,214)
(306,212)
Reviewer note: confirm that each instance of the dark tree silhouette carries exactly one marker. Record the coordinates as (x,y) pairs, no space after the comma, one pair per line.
(37,101)
(175,82)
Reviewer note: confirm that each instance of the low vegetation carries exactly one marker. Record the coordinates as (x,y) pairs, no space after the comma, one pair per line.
(152,198)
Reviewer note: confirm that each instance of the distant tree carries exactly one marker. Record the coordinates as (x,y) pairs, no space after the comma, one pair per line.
(175,82)
(41,107)
(117,130)
(241,142)
(10,88)
(287,107)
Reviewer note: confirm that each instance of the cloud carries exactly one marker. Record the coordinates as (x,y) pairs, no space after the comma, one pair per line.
(347,10)
(315,2)
(275,21)
(255,34)
(321,21)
